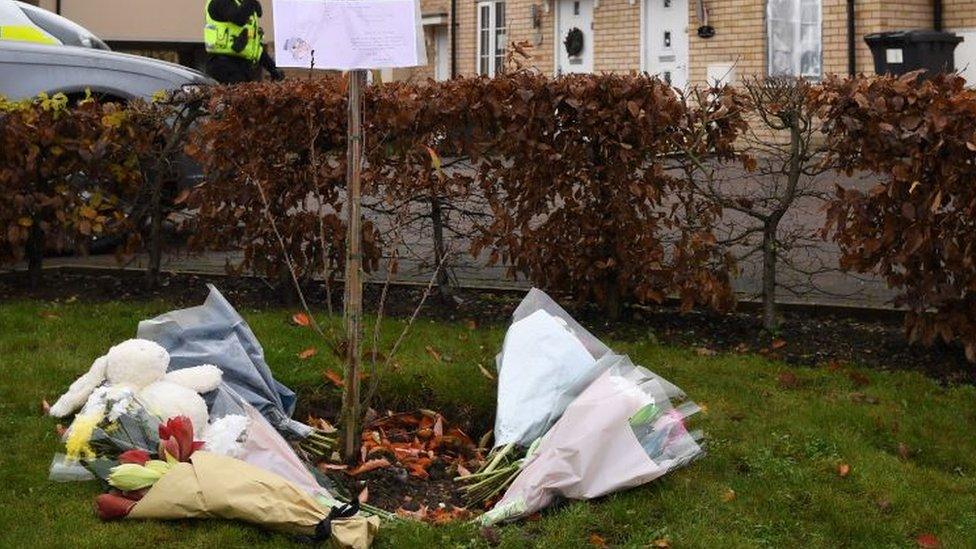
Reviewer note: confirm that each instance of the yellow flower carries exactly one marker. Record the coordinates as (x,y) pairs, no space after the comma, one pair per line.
(79,436)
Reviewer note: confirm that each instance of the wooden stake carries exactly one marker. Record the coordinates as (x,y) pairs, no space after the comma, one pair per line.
(353,304)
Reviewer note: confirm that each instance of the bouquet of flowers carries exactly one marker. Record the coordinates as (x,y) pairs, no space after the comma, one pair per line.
(240,431)
(547,361)
(179,481)
(112,422)
(621,432)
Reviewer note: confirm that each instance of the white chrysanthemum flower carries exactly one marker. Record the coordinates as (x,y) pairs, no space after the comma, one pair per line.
(226,436)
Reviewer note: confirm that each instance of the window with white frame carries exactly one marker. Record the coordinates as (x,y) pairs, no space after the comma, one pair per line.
(794,38)
(491,37)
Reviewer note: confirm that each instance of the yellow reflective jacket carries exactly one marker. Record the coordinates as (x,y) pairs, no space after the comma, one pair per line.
(219,36)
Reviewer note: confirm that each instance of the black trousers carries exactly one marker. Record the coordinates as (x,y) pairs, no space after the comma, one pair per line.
(228,69)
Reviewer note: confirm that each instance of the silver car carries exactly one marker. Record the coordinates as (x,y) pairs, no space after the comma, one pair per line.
(27,69)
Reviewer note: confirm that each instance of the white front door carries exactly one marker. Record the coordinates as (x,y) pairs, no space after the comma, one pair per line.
(442,48)
(574,36)
(666,40)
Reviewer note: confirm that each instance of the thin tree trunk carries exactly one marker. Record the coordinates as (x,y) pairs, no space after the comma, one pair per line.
(437,220)
(770,313)
(35,254)
(613,305)
(354,283)
(155,232)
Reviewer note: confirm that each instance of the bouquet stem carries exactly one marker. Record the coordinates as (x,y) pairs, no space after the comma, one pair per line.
(504,464)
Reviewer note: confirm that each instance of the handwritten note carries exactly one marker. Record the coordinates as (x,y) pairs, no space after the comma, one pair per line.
(348,34)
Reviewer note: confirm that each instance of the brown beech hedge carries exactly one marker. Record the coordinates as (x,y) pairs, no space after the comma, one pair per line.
(581,196)
(917,227)
(576,179)
(573,170)
(64,173)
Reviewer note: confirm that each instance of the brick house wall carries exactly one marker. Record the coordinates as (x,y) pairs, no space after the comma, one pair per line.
(740,33)
(617,28)
(959,14)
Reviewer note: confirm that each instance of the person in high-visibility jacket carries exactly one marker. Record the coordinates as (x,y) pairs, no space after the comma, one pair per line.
(233,37)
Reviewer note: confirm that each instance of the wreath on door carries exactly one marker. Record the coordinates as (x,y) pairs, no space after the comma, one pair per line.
(574,42)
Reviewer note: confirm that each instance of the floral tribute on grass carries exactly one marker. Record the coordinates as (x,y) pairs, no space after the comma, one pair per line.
(574,421)
(187,444)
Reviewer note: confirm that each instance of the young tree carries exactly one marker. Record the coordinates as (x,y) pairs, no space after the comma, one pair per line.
(773,174)
(164,126)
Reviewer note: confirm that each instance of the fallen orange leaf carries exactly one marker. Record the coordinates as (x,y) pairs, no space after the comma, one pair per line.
(416,514)
(308,353)
(788,380)
(301,319)
(596,540)
(445,515)
(370,465)
(843,470)
(859,379)
(335,378)
(778,344)
(928,541)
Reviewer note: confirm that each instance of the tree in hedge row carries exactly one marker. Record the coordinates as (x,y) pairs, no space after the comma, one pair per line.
(163,125)
(774,172)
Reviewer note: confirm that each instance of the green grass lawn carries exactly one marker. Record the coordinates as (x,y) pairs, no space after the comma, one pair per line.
(770,477)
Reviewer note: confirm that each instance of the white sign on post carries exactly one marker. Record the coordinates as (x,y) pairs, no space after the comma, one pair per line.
(348,34)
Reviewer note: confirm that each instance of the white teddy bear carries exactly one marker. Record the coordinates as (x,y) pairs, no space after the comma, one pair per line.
(140,365)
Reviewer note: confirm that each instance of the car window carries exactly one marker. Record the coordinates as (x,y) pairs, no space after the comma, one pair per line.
(65,30)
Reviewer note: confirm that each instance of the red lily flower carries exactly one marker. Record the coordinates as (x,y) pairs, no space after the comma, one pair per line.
(176,439)
(112,506)
(139,457)
(180,427)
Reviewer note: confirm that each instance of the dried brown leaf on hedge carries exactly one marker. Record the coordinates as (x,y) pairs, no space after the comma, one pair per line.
(914,228)
(45,143)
